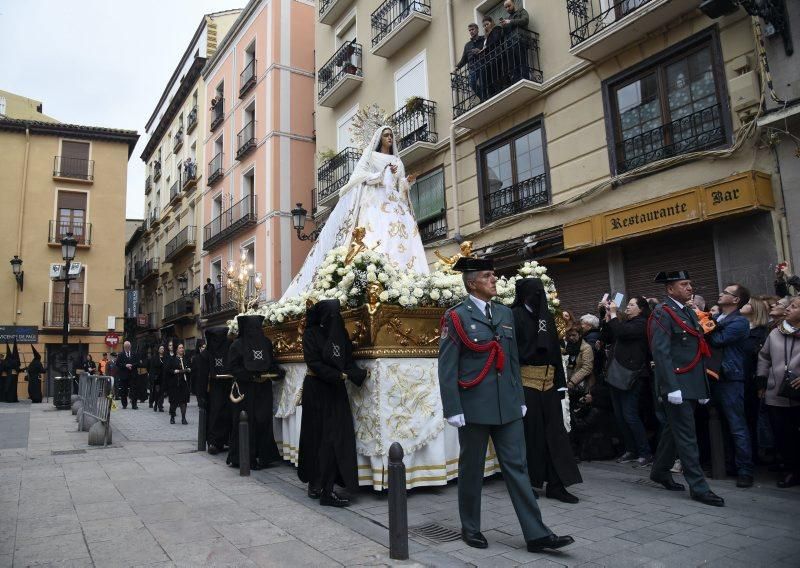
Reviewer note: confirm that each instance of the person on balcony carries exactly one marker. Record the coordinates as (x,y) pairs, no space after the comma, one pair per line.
(469,57)
(514,28)
(492,68)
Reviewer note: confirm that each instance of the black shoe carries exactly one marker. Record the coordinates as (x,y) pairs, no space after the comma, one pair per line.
(213,450)
(172,420)
(150,405)
(744,481)
(161,410)
(333,500)
(475,540)
(560,492)
(709,498)
(183,421)
(551,542)
(124,406)
(789,481)
(314,493)
(134,407)
(155,409)
(669,484)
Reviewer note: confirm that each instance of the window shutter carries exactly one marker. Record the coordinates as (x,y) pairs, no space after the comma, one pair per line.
(71,200)
(427,196)
(79,150)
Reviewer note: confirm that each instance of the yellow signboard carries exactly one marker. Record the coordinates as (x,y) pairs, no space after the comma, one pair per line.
(739,193)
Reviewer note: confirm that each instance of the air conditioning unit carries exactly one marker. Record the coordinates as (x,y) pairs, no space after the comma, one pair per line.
(744,91)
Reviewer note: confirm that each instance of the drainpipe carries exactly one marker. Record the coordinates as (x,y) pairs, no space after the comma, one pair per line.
(21,213)
(453,166)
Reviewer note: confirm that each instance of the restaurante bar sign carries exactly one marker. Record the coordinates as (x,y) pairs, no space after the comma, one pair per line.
(673,210)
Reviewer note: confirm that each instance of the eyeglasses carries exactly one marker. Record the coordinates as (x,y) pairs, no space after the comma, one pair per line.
(728,292)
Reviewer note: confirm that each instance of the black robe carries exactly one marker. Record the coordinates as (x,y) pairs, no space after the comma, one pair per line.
(178,384)
(35,371)
(327,452)
(220,407)
(200,372)
(550,457)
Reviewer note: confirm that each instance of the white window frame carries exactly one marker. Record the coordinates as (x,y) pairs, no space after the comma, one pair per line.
(344,24)
(421,57)
(348,115)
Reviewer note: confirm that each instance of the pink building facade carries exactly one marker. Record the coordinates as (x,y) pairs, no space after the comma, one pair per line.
(259,146)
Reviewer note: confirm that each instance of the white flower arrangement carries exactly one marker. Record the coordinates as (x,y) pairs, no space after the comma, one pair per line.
(348,283)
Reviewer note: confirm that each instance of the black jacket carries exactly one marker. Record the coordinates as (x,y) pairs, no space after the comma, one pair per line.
(122,371)
(630,342)
(466,56)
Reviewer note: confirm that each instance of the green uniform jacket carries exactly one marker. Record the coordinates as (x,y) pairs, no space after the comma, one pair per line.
(498,399)
(673,348)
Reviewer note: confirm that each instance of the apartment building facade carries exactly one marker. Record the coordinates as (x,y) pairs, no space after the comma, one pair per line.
(600,140)
(259,149)
(58,180)
(165,255)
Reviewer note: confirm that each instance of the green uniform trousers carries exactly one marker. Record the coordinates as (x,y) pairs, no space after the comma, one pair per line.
(509,445)
(678,433)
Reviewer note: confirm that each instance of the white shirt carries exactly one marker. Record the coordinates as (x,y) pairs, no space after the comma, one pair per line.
(681,306)
(479,303)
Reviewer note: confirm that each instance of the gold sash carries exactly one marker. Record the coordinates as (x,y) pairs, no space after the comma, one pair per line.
(539,377)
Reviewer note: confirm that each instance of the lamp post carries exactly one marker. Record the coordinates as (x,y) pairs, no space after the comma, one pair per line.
(299,222)
(182,284)
(63,386)
(16,267)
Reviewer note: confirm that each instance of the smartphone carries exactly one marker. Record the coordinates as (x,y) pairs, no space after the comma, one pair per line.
(605,298)
(618,299)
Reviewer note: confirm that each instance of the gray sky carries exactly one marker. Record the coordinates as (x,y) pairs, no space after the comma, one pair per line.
(99,62)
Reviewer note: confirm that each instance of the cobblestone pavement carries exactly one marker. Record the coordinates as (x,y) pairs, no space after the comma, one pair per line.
(162,504)
(144,425)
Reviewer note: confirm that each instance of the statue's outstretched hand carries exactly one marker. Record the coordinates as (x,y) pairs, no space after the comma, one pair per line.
(411,178)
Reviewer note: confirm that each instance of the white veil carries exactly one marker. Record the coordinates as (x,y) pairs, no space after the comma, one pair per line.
(366,165)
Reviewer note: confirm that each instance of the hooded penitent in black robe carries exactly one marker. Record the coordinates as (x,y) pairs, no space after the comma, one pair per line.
(550,456)
(220,407)
(155,370)
(327,452)
(35,371)
(200,371)
(4,377)
(12,373)
(249,359)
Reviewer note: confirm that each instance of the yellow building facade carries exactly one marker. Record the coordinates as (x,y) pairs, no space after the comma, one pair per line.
(59,179)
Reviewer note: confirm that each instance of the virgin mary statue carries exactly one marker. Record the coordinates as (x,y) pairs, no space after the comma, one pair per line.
(376,199)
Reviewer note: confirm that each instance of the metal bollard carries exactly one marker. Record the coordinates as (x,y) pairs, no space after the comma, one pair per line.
(717,444)
(201,430)
(244,445)
(398,506)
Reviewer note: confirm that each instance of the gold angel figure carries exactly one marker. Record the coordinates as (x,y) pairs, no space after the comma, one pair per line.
(356,245)
(449,261)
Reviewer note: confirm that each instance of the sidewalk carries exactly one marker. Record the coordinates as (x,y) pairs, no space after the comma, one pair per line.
(160,503)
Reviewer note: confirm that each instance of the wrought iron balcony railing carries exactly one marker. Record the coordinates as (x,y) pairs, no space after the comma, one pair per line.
(155,217)
(246,139)
(189,175)
(528,194)
(184,241)
(346,61)
(588,17)
(215,169)
(415,122)
(147,269)
(73,168)
(247,78)
(433,229)
(220,301)
(175,192)
(53,314)
(81,232)
(156,170)
(183,306)
(515,59)
(240,216)
(697,131)
(333,174)
(191,120)
(177,141)
(217,112)
(148,184)
(389,15)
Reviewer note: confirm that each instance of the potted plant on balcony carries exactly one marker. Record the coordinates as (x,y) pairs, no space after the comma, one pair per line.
(414,104)
(326,155)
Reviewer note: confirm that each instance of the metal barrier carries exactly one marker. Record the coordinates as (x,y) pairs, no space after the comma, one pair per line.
(97,409)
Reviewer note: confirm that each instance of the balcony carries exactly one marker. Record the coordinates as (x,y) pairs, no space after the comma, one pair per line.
(415,128)
(217,112)
(697,131)
(189,175)
(155,218)
(396,23)
(182,308)
(175,194)
(331,10)
(341,75)
(222,302)
(183,242)
(246,140)
(53,315)
(148,184)
(177,141)
(156,170)
(215,169)
(599,28)
(147,270)
(191,120)
(75,169)
(433,229)
(239,217)
(522,196)
(81,232)
(503,80)
(247,78)
(333,174)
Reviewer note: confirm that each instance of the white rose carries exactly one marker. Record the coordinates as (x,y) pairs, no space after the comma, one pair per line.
(556,302)
(419,292)
(447,294)
(384,296)
(435,295)
(403,300)
(382,277)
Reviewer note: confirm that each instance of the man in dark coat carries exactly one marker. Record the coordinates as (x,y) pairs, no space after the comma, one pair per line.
(220,407)
(155,370)
(12,370)
(4,377)
(253,367)
(550,456)
(470,56)
(35,371)
(679,350)
(515,29)
(492,77)
(178,374)
(127,373)
(327,453)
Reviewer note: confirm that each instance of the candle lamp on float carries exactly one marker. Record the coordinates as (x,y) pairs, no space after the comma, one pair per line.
(239,283)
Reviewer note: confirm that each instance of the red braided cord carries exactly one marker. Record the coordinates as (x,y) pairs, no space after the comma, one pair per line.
(702,347)
(493,347)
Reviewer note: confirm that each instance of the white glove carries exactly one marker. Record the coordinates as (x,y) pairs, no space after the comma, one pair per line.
(675,397)
(704,400)
(524,410)
(456,421)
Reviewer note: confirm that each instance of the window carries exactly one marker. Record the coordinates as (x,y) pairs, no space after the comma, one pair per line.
(427,198)
(248,182)
(76,300)
(216,207)
(669,107)
(344,129)
(74,160)
(514,173)
(411,80)
(346,32)
(71,216)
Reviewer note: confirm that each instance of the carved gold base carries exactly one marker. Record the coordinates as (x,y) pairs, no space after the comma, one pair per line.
(379,331)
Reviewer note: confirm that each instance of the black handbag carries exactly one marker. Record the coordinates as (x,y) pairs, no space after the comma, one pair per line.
(620,377)
(786,390)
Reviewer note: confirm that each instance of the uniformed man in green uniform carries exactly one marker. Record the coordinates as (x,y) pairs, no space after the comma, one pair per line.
(482,396)
(679,350)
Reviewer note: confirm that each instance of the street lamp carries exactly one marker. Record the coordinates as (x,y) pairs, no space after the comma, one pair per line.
(63,390)
(19,274)
(182,284)
(299,222)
